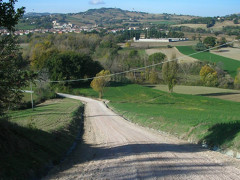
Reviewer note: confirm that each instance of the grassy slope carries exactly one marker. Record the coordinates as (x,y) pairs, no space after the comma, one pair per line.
(230,65)
(187,116)
(32,140)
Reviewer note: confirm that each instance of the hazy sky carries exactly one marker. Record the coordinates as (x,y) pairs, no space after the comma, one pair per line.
(187,7)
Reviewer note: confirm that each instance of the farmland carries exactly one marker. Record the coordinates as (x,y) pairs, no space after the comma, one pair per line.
(169,52)
(229,65)
(162,44)
(226,94)
(233,53)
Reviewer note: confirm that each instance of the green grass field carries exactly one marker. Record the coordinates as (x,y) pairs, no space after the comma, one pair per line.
(186,116)
(25,26)
(32,141)
(230,65)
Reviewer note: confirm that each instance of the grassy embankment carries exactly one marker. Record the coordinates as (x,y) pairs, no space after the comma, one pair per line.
(196,118)
(229,65)
(32,141)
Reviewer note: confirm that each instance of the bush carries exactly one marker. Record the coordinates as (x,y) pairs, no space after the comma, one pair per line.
(209,76)
(200,47)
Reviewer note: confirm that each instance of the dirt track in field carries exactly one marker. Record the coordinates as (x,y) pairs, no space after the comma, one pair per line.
(114,148)
(169,52)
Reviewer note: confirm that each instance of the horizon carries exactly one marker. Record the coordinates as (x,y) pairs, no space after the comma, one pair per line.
(204,8)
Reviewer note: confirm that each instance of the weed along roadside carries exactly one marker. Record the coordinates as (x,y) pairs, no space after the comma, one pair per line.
(189,117)
(37,140)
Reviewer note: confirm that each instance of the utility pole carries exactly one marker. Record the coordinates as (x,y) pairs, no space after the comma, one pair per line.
(31,95)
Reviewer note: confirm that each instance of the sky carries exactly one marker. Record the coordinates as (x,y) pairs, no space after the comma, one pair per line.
(185,7)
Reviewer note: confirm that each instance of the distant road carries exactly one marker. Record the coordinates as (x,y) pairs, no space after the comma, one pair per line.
(114,148)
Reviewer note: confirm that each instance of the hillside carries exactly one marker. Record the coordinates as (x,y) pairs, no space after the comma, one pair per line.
(106,17)
(115,17)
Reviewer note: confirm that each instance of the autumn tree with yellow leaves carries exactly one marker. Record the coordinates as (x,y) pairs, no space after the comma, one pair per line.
(100,82)
(237,79)
(209,76)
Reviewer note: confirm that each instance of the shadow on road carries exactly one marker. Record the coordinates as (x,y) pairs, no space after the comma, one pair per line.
(148,158)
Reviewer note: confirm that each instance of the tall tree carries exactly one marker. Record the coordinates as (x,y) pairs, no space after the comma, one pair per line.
(237,79)
(169,71)
(12,67)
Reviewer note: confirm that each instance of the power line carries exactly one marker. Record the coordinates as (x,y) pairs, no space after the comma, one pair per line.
(144,67)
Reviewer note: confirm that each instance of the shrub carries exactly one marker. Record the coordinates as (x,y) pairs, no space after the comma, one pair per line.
(200,47)
(208,76)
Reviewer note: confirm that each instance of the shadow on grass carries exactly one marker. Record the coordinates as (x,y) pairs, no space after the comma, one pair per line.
(28,153)
(218,94)
(222,133)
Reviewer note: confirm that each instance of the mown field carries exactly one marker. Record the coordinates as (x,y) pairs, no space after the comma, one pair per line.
(229,65)
(226,94)
(33,141)
(196,118)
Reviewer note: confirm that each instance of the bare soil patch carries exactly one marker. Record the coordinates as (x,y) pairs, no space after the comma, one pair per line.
(162,44)
(233,53)
(169,52)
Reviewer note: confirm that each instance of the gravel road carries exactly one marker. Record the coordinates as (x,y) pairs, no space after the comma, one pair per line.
(114,148)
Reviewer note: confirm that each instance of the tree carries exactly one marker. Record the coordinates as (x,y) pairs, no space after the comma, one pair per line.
(169,71)
(235,21)
(41,53)
(222,42)
(71,65)
(100,82)
(200,47)
(237,79)
(156,58)
(153,77)
(210,41)
(208,76)
(13,71)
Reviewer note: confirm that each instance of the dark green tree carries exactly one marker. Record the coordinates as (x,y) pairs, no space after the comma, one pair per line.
(156,58)
(13,71)
(210,41)
(169,71)
(200,47)
(72,65)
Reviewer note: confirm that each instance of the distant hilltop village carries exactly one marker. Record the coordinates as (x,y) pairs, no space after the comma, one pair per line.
(60,28)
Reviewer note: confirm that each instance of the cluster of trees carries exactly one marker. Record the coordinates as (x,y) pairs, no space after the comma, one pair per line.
(209,21)
(210,42)
(188,29)
(231,30)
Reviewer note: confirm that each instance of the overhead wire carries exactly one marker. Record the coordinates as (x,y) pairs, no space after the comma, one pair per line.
(141,68)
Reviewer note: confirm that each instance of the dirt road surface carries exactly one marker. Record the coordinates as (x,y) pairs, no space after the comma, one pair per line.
(114,148)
